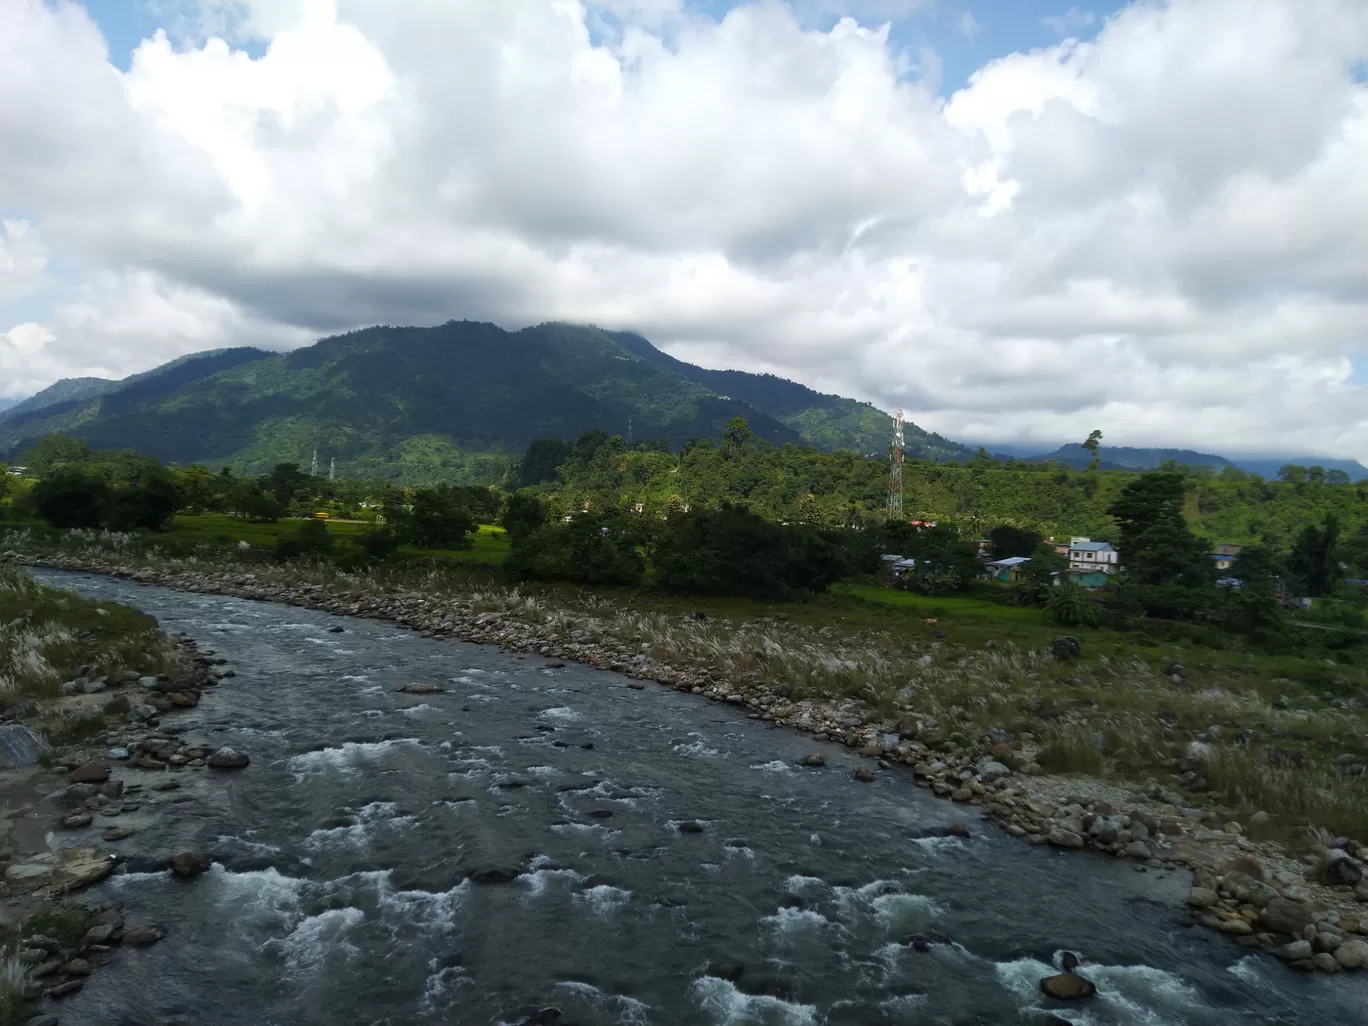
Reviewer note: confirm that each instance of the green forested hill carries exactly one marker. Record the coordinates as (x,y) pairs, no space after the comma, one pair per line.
(454,402)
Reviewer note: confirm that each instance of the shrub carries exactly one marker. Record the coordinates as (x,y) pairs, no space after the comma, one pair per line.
(582,551)
(70,498)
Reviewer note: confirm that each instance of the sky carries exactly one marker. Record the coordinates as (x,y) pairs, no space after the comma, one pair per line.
(1018,220)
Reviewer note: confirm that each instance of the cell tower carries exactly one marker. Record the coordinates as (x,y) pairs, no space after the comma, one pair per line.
(313,465)
(895,470)
(332,468)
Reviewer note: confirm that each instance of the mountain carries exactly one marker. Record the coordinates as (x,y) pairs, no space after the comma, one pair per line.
(5,404)
(1268,467)
(65,391)
(451,402)
(823,420)
(103,411)
(1114,457)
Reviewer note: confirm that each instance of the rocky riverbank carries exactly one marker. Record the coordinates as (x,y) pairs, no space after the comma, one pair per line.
(1312,911)
(71,814)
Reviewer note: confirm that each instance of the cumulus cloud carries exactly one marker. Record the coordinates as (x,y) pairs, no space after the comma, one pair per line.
(1160,231)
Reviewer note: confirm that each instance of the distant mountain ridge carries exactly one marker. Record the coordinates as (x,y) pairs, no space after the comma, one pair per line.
(452,402)
(1115,457)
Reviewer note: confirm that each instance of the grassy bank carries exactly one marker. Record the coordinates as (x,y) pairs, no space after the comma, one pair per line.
(49,636)
(490,544)
(1285,735)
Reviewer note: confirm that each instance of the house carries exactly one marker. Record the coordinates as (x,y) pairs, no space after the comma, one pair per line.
(17,471)
(1229,548)
(1009,569)
(1086,555)
(1223,560)
(1092,578)
(1060,548)
(984,546)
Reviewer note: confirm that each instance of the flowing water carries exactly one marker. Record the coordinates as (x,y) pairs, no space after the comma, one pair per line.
(342,892)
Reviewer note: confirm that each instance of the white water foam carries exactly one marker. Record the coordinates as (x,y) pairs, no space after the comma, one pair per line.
(561,713)
(697,747)
(789,921)
(940,845)
(886,899)
(316,938)
(415,710)
(440,989)
(627,1011)
(348,756)
(1135,994)
(725,1005)
(739,851)
(773,766)
(369,820)
(604,900)
(585,829)
(538,880)
(359,677)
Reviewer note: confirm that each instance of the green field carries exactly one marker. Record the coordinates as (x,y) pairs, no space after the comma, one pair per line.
(490,542)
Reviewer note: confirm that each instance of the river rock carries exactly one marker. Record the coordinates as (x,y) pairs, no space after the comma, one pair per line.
(1343,871)
(1352,954)
(101,934)
(815,759)
(1203,897)
(1067,987)
(65,989)
(20,747)
(91,773)
(1138,850)
(1284,916)
(691,826)
(421,689)
(864,775)
(141,936)
(991,771)
(1061,838)
(119,705)
(42,1020)
(1325,962)
(77,967)
(227,758)
(190,863)
(77,820)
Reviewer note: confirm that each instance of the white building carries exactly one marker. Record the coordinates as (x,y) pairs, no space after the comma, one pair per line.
(1085,554)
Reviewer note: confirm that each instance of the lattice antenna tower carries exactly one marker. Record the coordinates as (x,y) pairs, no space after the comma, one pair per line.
(332,468)
(313,464)
(895,493)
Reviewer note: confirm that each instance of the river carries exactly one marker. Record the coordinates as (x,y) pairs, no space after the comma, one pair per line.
(685,869)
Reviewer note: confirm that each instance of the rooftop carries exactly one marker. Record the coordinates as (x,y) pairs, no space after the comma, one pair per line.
(1091,546)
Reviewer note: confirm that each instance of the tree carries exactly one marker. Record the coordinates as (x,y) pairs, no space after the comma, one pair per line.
(149,503)
(522,514)
(1168,554)
(736,434)
(1315,556)
(1292,474)
(70,498)
(1011,541)
(1038,577)
(539,463)
(1336,477)
(259,506)
(1094,443)
(436,518)
(1148,501)
(378,545)
(585,551)
(284,481)
(312,539)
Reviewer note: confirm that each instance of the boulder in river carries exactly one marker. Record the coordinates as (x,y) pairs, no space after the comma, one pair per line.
(1067,987)
(815,759)
(19,746)
(227,758)
(1282,915)
(141,936)
(421,689)
(91,773)
(864,775)
(1343,871)
(190,863)
(691,826)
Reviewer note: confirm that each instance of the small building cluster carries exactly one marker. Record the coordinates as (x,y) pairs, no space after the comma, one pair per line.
(1090,564)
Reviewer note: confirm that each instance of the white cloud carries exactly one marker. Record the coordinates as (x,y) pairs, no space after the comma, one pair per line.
(969,27)
(1159,232)
(23,259)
